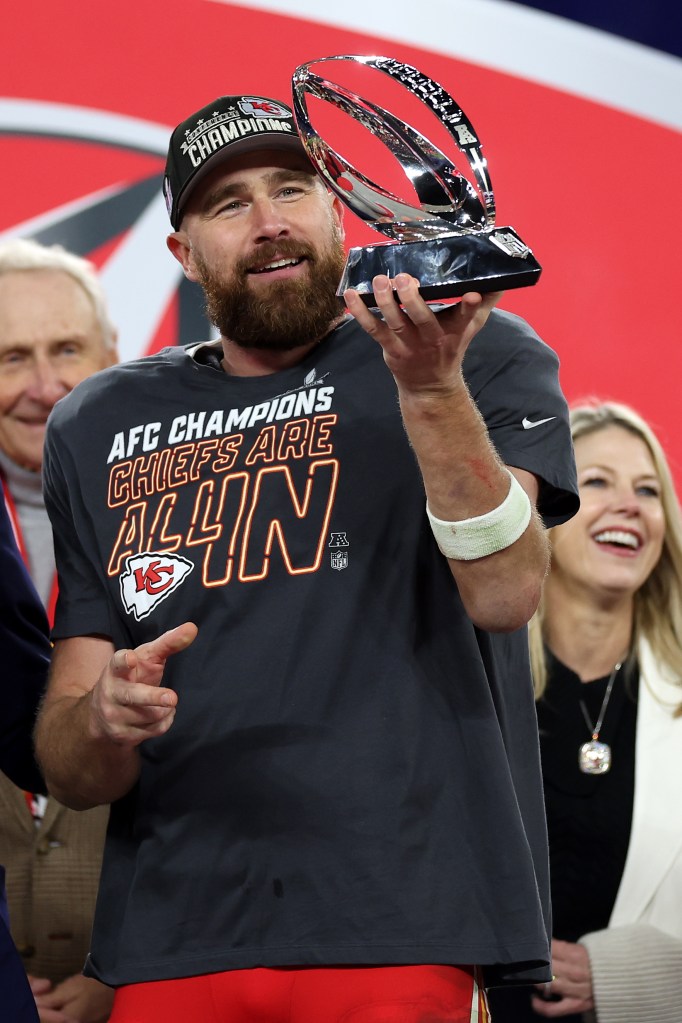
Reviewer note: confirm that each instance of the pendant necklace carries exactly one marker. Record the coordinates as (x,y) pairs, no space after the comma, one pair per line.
(594,756)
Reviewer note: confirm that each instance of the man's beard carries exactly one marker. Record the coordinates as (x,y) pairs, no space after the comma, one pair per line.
(285,314)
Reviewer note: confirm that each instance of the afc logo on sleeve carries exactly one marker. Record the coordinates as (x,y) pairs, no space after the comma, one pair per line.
(149,578)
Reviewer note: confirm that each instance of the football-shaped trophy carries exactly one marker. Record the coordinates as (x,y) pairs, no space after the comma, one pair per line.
(449,242)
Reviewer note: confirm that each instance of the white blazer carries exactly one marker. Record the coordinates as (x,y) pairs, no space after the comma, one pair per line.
(650,891)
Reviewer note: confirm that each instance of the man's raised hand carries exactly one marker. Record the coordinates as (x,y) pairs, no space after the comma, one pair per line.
(128,703)
(424,352)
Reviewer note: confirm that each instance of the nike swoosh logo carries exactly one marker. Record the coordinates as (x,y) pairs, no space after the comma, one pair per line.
(528,424)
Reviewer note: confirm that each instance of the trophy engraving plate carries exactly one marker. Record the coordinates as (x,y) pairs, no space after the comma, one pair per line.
(449,242)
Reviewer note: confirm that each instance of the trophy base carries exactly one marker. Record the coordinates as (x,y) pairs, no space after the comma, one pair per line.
(492,260)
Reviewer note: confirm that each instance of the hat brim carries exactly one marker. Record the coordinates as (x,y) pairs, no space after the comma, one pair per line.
(222,157)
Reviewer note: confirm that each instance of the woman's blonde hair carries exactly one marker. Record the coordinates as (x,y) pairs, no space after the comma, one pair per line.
(658,602)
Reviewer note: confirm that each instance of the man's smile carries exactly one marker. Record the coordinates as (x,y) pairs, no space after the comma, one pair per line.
(277,264)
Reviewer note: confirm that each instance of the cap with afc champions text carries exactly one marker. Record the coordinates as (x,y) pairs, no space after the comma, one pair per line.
(223,129)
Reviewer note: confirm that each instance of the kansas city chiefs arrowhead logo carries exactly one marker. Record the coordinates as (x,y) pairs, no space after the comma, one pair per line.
(149,578)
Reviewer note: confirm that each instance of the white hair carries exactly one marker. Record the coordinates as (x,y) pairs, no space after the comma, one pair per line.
(25,254)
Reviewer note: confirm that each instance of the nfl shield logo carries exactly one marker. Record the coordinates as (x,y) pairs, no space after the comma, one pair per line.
(339,560)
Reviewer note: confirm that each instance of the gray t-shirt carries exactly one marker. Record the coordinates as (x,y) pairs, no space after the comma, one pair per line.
(352,776)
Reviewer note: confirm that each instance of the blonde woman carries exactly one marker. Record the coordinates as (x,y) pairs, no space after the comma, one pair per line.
(606,646)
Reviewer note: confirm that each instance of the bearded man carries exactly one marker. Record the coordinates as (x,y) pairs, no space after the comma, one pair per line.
(296,565)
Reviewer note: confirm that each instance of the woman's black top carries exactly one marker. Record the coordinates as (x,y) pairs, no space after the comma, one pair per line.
(588,816)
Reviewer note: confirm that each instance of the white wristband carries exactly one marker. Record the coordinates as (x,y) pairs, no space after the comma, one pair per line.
(486,534)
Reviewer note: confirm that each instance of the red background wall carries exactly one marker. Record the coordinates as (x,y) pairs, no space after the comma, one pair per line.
(595,191)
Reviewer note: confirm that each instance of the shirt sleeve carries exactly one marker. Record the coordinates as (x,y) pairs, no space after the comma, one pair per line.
(636,974)
(513,377)
(82,605)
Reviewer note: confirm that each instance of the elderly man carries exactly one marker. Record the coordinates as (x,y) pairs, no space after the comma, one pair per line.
(54,332)
(328,798)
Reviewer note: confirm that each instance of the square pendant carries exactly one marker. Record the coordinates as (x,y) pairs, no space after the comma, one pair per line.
(594,758)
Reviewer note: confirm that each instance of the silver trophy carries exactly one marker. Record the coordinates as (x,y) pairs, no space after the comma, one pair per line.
(449,242)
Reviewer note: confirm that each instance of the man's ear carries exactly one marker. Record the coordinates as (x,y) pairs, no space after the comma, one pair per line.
(112,349)
(339,210)
(179,245)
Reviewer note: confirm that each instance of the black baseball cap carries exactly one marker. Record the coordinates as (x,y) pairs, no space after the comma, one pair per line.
(219,131)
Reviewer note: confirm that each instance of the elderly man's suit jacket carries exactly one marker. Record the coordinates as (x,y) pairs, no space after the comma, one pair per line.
(52,874)
(24,659)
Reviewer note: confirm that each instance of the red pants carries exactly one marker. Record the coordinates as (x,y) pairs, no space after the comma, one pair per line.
(382,994)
